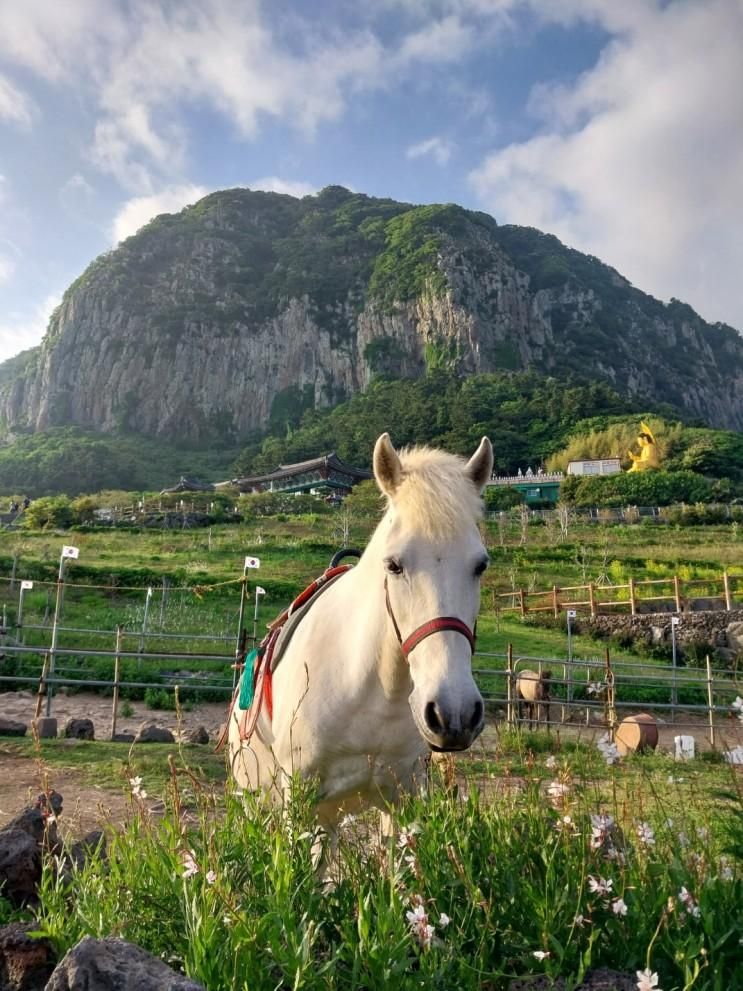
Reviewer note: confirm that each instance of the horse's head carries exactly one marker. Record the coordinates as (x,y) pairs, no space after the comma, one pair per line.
(432,560)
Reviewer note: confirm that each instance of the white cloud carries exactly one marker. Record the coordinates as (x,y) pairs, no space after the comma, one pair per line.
(14,106)
(438,148)
(640,161)
(21,331)
(145,62)
(7,267)
(139,210)
(274,184)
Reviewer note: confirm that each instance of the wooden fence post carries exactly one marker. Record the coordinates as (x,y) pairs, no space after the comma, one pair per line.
(677,592)
(726,588)
(117,679)
(555,602)
(592,599)
(509,686)
(632,600)
(522,603)
(41,691)
(611,712)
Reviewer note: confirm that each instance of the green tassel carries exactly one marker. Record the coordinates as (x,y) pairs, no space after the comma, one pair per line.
(246,682)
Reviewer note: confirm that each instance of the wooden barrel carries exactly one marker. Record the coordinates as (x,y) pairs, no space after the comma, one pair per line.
(636,733)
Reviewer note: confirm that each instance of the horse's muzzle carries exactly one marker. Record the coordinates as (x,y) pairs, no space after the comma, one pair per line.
(444,733)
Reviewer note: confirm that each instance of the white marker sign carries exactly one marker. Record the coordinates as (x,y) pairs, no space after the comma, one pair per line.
(259,590)
(70,552)
(675,620)
(26,585)
(572,613)
(252,562)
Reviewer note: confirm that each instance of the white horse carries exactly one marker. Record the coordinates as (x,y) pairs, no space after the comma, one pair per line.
(379,671)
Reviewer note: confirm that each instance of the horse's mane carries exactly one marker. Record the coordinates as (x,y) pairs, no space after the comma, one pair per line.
(435,495)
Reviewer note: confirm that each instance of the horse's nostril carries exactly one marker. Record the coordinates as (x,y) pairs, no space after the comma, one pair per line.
(433,721)
(477,714)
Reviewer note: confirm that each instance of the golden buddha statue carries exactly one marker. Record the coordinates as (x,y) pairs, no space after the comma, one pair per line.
(648,456)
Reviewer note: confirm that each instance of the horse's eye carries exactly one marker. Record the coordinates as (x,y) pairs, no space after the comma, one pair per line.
(392,566)
(480,567)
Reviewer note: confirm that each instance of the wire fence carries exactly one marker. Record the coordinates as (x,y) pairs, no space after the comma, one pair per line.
(169,637)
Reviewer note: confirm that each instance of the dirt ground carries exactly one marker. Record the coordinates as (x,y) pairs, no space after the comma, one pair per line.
(85,805)
(22,778)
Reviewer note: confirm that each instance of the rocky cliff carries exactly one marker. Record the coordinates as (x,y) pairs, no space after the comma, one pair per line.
(206,323)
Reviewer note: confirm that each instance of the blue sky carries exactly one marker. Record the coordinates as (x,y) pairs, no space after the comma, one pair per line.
(616,126)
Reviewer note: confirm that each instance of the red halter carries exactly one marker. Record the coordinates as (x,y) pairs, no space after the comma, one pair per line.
(437,625)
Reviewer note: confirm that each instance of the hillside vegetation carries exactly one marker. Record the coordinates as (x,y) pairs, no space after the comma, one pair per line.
(206,326)
(531,420)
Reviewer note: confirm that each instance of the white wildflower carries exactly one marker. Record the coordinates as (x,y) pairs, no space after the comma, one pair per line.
(689,902)
(579,921)
(619,907)
(608,749)
(539,954)
(601,827)
(551,762)
(444,920)
(599,886)
(419,924)
(211,877)
(137,789)
(190,867)
(595,687)
(647,980)
(565,824)
(645,834)
(726,871)
(407,835)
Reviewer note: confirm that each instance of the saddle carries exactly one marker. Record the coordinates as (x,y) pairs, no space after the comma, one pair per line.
(255,685)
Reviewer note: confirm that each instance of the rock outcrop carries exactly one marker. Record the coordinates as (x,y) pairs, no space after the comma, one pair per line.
(205,323)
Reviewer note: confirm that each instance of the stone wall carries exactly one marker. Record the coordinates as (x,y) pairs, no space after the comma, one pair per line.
(720,629)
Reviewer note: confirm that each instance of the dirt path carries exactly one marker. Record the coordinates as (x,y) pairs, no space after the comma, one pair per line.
(23,777)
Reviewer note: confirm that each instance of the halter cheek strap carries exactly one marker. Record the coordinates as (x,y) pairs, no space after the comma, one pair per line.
(438,625)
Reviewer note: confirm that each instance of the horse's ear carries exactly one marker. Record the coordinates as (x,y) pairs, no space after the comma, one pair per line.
(387,467)
(480,465)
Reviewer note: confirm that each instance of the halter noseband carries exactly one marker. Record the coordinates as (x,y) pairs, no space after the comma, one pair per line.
(438,625)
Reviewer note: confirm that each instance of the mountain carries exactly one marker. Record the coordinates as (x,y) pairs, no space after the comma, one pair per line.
(249,307)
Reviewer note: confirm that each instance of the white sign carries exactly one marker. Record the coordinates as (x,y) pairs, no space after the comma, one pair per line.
(675,620)
(685,747)
(70,552)
(572,613)
(259,590)
(26,584)
(252,562)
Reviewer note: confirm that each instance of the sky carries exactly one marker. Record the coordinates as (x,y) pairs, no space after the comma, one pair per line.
(617,126)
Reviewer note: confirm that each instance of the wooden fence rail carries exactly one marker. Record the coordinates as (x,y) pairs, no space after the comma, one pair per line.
(590,597)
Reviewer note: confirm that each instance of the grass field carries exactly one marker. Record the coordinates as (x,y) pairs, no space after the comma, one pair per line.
(195,575)
(546,862)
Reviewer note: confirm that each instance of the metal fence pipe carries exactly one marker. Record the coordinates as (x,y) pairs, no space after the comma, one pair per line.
(129,654)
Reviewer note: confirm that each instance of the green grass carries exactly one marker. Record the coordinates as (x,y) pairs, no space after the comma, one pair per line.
(195,591)
(110,765)
(512,875)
